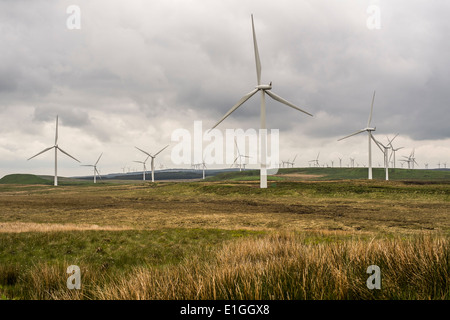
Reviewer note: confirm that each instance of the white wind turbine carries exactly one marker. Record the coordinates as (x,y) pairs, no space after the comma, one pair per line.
(203,164)
(411,160)
(315,161)
(264,89)
(394,150)
(144,167)
(385,150)
(291,163)
(153,160)
(369,131)
(240,156)
(56,153)
(352,161)
(95,168)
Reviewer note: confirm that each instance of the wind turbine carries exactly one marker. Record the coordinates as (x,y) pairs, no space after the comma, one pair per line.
(264,89)
(203,164)
(411,160)
(394,150)
(292,163)
(95,168)
(238,157)
(369,131)
(153,160)
(56,153)
(385,150)
(144,167)
(352,161)
(315,161)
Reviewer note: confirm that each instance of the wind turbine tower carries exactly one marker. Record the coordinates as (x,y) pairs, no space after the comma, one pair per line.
(369,131)
(153,160)
(263,89)
(56,147)
(95,168)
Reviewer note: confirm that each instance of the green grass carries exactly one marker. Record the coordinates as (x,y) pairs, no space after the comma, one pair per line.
(23,179)
(340,174)
(189,240)
(114,252)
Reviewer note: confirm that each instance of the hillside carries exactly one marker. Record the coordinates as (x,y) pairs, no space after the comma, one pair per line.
(338,174)
(19,178)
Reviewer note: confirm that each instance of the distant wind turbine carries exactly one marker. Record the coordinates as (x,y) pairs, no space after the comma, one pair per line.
(95,168)
(264,89)
(369,131)
(352,161)
(203,164)
(144,170)
(240,156)
(315,161)
(153,160)
(56,153)
(393,150)
(411,160)
(292,163)
(385,150)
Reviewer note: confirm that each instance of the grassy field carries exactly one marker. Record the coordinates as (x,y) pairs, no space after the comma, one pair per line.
(309,235)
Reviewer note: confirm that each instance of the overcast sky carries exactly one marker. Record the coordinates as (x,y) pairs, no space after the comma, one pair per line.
(138,70)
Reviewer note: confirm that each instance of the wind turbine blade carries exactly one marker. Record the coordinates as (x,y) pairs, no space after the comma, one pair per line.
(87,165)
(237,105)
(371,109)
(237,146)
(357,132)
(56,133)
(144,151)
(40,153)
(377,143)
(99,175)
(257,59)
(67,154)
(160,151)
(99,158)
(138,161)
(294,158)
(390,157)
(280,99)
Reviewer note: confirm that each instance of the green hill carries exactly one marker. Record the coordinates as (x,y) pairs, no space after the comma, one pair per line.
(19,178)
(338,174)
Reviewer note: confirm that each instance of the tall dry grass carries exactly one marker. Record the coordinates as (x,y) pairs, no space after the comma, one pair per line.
(285,266)
(277,266)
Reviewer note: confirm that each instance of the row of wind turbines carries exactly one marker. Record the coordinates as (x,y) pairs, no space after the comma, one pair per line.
(263,89)
(57,148)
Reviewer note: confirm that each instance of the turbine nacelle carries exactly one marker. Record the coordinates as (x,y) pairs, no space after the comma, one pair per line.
(369,129)
(264,86)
